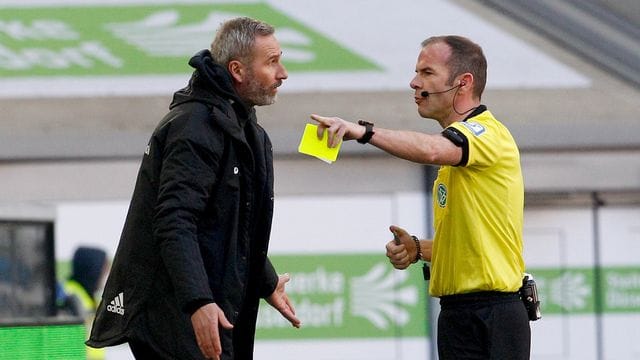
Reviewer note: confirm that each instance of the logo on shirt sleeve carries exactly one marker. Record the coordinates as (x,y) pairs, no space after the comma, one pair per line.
(116,305)
(442,195)
(474,127)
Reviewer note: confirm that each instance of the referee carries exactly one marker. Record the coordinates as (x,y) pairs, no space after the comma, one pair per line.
(476,253)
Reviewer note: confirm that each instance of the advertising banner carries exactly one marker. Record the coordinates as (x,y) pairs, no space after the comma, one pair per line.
(342,296)
(572,290)
(141,47)
(107,40)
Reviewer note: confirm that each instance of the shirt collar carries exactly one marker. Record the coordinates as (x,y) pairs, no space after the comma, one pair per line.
(477,111)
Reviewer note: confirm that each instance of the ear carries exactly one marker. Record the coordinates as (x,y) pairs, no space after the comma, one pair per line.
(237,70)
(466,79)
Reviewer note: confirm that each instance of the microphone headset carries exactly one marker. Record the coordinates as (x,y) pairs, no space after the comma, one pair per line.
(427,93)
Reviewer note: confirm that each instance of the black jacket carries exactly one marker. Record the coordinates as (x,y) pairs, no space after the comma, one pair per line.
(197,229)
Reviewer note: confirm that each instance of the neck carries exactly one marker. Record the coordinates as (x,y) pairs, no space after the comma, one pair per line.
(459,111)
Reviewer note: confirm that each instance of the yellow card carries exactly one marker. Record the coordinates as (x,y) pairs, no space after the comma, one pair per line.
(311,145)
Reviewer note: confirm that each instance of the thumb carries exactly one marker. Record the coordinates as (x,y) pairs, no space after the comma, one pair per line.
(284,278)
(222,321)
(398,231)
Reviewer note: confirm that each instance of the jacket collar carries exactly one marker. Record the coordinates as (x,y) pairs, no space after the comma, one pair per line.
(211,83)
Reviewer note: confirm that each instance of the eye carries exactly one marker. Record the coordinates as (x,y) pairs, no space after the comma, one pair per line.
(424,72)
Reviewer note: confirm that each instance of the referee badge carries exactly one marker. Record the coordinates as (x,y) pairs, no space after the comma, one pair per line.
(475,128)
(442,195)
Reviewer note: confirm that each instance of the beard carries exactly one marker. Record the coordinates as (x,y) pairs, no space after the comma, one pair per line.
(257,94)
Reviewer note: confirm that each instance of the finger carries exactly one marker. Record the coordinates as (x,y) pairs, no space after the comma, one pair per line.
(222,321)
(400,250)
(285,309)
(289,315)
(320,131)
(323,124)
(400,258)
(400,263)
(203,334)
(395,250)
(322,121)
(398,230)
(332,140)
(396,237)
(296,323)
(389,246)
(333,132)
(289,304)
(317,118)
(215,339)
(285,277)
(339,135)
(207,345)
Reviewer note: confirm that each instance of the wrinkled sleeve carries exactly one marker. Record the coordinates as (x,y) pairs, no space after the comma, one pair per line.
(187,178)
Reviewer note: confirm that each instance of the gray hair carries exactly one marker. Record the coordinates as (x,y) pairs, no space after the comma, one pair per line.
(235,38)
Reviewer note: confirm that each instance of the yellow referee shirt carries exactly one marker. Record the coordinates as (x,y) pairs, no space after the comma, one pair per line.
(478,208)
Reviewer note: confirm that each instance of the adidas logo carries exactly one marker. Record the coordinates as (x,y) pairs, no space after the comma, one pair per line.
(117,305)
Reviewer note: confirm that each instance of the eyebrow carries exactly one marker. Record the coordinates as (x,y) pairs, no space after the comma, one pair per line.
(425,68)
(274,55)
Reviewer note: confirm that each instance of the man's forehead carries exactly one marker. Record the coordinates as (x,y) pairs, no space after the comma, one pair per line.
(266,46)
(438,51)
(434,55)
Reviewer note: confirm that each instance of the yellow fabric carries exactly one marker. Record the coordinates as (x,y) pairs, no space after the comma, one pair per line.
(72,287)
(478,211)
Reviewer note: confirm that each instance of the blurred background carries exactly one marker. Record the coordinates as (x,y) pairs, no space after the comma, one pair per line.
(84,82)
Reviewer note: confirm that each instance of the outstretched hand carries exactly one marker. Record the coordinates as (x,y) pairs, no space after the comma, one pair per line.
(280,301)
(338,129)
(206,322)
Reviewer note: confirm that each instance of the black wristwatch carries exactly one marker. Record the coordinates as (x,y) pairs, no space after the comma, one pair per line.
(368,131)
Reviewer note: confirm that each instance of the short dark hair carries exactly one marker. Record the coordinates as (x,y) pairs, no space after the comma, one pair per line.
(466,56)
(235,38)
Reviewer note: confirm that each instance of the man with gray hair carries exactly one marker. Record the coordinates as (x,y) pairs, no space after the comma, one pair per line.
(192,264)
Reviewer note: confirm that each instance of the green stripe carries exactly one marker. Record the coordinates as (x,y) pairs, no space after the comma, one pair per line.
(84,41)
(64,342)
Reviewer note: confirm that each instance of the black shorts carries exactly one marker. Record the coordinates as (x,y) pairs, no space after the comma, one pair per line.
(483,325)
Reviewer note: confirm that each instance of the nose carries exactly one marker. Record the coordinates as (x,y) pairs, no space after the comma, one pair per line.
(282,73)
(414,83)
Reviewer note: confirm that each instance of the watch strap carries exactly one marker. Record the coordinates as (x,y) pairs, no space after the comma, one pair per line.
(368,131)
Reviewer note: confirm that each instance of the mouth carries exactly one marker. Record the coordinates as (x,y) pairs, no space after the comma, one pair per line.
(274,87)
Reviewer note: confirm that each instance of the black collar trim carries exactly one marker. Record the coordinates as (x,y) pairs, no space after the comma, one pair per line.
(477,111)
